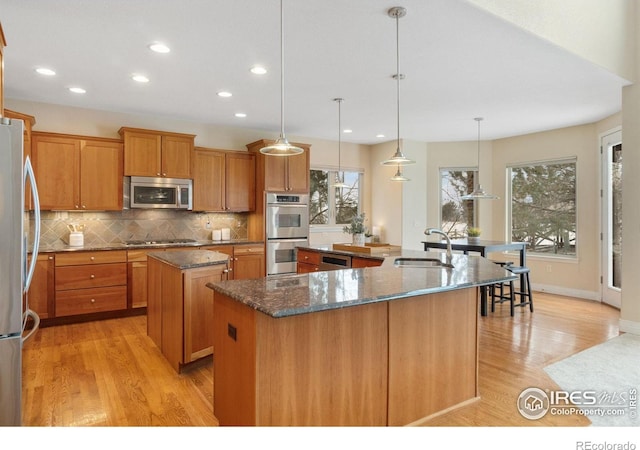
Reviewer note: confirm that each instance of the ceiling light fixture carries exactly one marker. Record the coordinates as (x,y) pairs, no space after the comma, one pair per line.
(281,147)
(398,158)
(478,193)
(159,48)
(241,115)
(339,183)
(77,90)
(45,71)
(139,78)
(258,70)
(224,94)
(399,176)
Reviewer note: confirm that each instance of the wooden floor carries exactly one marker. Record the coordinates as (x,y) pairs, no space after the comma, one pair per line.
(109,373)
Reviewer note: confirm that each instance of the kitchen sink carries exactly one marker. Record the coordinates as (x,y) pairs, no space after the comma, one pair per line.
(421,263)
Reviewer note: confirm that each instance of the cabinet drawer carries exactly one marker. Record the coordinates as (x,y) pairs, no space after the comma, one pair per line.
(79,277)
(101,257)
(83,301)
(308,257)
(248,250)
(306,268)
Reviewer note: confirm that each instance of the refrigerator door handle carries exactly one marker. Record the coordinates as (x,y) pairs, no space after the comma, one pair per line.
(36,323)
(28,173)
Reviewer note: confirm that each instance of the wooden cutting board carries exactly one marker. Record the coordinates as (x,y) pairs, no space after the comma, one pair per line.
(371,248)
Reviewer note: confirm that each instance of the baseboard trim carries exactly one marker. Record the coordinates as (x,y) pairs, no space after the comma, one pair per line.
(629,326)
(559,290)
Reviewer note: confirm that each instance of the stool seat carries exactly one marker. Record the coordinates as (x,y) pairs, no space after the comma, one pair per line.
(503,263)
(524,292)
(518,270)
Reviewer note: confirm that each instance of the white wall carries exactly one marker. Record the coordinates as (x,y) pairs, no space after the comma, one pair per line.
(414,196)
(599,31)
(386,195)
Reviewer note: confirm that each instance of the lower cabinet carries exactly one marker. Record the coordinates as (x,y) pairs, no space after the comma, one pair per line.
(42,290)
(137,278)
(308,261)
(180,310)
(246,261)
(357,262)
(90,282)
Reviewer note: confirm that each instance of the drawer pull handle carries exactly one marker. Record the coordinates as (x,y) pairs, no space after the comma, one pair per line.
(92,276)
(93,258)
(93,300)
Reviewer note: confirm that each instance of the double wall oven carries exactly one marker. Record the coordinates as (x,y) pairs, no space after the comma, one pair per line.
(287,227)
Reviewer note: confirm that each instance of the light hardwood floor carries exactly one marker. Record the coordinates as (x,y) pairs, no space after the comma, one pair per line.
(109,373)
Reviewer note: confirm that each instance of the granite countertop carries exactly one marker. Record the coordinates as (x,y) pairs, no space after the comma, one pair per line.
(282,296)
(328,248)
(191,259)
(60,246)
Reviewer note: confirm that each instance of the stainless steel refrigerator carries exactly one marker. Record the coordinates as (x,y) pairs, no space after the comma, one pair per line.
(15,274)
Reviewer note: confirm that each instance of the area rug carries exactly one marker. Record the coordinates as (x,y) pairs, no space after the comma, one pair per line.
(602,381)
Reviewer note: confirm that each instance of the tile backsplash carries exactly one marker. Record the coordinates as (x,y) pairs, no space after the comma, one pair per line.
(136,224)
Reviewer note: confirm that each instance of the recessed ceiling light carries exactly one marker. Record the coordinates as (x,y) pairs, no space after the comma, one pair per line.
(258,70)
(139,78)
(240,115)
(379,135)
(159,48)
(347,131)
(77,90)
(224,94)
(45,71)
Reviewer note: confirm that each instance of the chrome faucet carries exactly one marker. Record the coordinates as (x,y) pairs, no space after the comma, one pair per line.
(430,231)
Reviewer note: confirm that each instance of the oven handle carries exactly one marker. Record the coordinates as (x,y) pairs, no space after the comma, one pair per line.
(276,240)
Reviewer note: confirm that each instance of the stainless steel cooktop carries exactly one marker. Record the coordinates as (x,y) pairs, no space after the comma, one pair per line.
(159,242)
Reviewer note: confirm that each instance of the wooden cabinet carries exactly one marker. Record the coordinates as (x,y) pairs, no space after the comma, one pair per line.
(78,173)
(308,261)
(29,122)
(246,261)
(41,293)
(89,282)
(137,278)
(150,153)
(180,310)
(357,262)
(223,180)
(280,173)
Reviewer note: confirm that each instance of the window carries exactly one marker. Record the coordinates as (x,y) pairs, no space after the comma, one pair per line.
(543,206)
(456,215)
(330,205)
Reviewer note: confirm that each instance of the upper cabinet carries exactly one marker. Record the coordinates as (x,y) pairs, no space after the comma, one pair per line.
(281,173)
(3,44)
(150,153)
(223,180)
(78,173)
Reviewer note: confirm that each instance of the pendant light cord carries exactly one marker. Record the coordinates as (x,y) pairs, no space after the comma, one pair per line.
(478,119)
(398,76)
(339,134)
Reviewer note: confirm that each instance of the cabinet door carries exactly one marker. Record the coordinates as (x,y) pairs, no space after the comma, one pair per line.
(56,162)
(142,154)
(227,250)
(42,290)
(298,172)
(275,173)
(208,180)
(365,262)
(240,170)
(248,262)
(306,268)
(176,156)
(101,172)
(198,311)
(137,284)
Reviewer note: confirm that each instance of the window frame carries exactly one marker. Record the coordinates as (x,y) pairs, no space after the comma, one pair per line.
(332,226)
(509,205)
(476,209)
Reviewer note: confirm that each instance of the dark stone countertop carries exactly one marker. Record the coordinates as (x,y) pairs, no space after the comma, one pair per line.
(191,259)
(328,248)
(282,296)
(60,246)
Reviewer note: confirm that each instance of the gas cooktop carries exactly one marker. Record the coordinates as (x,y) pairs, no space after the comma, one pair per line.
(159,242)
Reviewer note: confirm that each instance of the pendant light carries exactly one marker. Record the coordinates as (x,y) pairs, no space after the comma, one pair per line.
(399,176)
(479,193)
(398,158)
(281,147)
(338,182)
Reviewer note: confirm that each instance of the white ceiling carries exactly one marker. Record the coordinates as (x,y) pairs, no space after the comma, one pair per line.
(460,62)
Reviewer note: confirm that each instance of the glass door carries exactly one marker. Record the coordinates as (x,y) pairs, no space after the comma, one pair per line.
(611,146)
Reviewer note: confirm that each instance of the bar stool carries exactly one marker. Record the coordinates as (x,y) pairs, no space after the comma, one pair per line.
(500,286)
(525,291)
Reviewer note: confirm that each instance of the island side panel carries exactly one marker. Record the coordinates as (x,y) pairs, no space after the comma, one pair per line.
(325,368)
(198,311)
(433,354)
(154,301)
(234,367)
(172,315)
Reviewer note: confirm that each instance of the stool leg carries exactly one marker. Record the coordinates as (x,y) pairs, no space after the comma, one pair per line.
(512,298)
(529,293)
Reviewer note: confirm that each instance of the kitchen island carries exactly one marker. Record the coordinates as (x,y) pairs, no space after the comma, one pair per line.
(377,346)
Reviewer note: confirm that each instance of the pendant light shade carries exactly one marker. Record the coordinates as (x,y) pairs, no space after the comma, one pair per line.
(399,176)
(479,193)
(338,182)
(398,158)
(281,147)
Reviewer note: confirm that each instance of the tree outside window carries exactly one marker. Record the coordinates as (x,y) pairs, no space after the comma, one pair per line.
(543,207)
(456,215)
(330,205)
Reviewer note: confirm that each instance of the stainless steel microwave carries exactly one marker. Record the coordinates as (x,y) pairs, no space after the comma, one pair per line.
(165,193)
